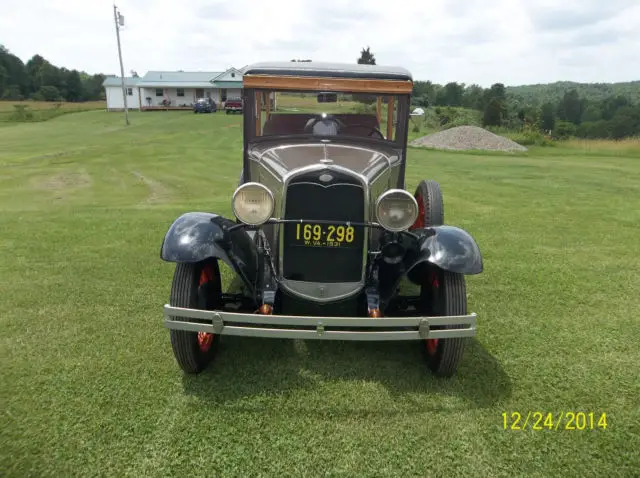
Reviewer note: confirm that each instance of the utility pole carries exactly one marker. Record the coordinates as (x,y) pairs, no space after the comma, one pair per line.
(119,21)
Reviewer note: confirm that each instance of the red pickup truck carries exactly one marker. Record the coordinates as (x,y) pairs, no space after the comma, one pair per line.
(233,106)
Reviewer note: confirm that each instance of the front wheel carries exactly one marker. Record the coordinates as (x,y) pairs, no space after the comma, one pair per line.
(195,286)
(443,293)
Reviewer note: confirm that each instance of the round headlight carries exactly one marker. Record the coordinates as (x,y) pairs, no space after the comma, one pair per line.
(396,210)
(253,203)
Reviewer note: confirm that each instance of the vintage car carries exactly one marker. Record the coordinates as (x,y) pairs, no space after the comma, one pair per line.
(325,241)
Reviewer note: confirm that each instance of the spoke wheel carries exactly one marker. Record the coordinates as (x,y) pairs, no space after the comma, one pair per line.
(205,339)
(195,286)
(430,213)
(443,293)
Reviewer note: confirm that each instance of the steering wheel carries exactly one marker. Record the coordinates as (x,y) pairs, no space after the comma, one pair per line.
(373,129)
(308,128)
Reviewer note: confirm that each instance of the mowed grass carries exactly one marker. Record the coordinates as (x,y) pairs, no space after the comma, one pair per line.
(90,386)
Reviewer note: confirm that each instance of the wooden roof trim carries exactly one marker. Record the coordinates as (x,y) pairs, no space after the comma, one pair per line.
(312,83)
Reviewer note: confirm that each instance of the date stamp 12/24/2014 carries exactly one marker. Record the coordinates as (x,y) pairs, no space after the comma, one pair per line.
(535,420)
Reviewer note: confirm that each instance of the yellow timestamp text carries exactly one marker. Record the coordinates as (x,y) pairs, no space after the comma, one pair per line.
(535,420)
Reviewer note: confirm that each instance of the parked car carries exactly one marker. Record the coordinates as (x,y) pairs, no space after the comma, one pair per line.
(325,242)
(204,105)
(233,105)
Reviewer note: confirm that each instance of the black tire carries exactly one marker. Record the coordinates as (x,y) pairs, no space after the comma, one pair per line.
(444,293)
(430,202)
(441,292)
(226,111)
(430,213)
(186,291)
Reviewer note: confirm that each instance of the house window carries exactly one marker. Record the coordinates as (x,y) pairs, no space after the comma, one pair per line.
(129,91)
(180,91)
(223,94)
(159,92)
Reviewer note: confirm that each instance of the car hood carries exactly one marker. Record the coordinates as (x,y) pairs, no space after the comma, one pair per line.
(360,158)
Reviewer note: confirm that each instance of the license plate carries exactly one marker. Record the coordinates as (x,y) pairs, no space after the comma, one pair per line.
(323,235)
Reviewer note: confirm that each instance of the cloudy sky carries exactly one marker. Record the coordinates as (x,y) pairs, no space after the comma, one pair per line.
(470,41)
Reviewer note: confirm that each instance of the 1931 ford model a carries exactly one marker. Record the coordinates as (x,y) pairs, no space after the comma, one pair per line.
(324,232)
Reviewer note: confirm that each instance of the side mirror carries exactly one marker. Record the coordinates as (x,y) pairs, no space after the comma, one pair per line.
(327,97)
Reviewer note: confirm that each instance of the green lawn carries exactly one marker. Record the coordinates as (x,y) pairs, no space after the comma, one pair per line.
(90,386)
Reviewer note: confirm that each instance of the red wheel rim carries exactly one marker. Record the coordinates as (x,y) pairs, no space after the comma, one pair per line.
(205,339)
(432,344)
(420,220)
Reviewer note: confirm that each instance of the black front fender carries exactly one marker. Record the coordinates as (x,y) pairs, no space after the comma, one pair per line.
(196,236)
(448,247)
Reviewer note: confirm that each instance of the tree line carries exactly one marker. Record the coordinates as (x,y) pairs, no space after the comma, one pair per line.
(560,109)
(38,79)
(571,114)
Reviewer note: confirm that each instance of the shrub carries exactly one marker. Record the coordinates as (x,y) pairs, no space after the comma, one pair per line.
(531,138)
(564,129)
(21,113)
(12,93)
(49,93)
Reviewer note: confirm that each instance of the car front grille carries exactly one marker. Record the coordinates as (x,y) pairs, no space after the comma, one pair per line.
(324,196)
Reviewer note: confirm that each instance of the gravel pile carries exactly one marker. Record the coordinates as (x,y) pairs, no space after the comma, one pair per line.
(467,137)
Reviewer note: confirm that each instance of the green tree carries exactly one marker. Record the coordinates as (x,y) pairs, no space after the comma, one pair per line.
(33,70)
(12,92)
(366,57)
(14,70)
(73,86)
(592,112)
(92,87)
(564,129)
(570,107)
(473,97)
(48,93)
(498,91)
(4,80)
(450,95)
(424,93)
(547,117)
(626,122)
(494,113)
(612,104)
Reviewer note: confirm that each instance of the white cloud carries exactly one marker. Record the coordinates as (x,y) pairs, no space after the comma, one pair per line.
(471,41)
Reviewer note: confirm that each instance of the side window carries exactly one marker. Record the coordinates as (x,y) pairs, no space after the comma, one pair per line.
(159,92)
(180,91)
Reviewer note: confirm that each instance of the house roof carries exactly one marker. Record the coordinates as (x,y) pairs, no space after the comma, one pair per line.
(231,78)
(328,70)
(178,79)
(115,81)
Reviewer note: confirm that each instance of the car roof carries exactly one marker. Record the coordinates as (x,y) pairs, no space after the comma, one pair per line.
(328,70)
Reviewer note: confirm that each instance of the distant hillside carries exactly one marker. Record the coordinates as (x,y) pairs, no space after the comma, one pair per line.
(553,92)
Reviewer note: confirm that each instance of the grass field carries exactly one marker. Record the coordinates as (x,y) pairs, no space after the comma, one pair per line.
(37,111)
(7,105)
(90,386)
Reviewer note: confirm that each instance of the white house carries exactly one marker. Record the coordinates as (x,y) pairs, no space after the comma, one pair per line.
(173,89)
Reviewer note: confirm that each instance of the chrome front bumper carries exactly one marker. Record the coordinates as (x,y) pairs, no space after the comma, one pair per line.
(325,328)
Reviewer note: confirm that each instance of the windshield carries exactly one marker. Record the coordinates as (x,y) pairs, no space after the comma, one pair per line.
(326,114)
